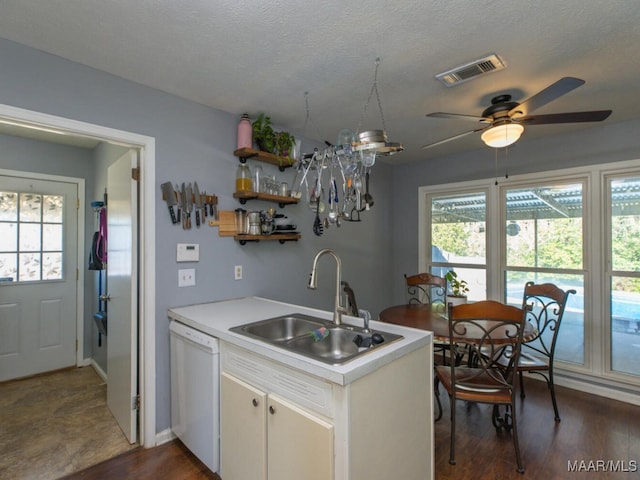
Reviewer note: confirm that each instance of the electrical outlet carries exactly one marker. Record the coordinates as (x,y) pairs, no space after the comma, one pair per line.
(237,272)
(187,277)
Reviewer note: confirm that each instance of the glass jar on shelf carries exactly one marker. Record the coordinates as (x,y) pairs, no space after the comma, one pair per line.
(258,179)
(243,178)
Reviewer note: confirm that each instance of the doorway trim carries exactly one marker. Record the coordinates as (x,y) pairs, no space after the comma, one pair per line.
(146,239)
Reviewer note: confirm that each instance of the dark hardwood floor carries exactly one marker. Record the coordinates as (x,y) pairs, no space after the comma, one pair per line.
(168,461)
(593,429)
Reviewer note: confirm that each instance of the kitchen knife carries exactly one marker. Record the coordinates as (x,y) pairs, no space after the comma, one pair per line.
(214,208)
(179,197)
(205,204)
(169,197)
(185,213)
(198,201)
(189,204)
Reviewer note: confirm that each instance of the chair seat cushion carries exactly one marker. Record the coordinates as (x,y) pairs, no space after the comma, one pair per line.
(529,361)
(476,385)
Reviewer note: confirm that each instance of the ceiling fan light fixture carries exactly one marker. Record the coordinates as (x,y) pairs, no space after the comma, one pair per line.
(502,135)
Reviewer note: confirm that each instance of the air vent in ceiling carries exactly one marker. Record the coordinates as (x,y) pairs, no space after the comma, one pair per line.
(468,71)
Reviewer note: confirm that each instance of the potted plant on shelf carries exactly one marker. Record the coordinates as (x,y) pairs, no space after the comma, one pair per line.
(284,143)
(263,134)
(458,288)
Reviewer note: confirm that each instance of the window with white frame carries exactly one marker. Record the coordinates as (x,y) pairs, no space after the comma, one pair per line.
(458,238)
(551,228)
(623,271)
(30,237)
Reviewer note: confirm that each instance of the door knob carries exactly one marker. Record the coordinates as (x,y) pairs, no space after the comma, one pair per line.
(105,298)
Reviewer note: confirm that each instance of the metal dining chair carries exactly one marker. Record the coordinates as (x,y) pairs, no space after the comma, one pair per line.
(491,327)
(547,304)
(428,289)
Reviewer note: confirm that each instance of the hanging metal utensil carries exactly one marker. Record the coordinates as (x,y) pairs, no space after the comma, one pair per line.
(368,199)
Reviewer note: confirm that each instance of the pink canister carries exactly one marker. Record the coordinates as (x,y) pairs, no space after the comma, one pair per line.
(245,137)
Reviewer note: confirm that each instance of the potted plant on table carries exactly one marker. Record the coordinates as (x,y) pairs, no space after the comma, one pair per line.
(458,288)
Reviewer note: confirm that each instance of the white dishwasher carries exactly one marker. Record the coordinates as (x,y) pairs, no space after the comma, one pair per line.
(195,392)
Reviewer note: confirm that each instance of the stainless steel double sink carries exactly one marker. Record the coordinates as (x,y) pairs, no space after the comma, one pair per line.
(295,332)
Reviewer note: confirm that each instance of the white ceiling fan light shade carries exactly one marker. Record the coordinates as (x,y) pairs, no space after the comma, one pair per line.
(502,135)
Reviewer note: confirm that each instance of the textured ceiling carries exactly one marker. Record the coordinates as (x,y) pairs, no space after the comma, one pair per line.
(261,56)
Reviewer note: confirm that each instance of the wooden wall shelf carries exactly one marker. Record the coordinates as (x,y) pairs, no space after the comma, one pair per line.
(282,201)
(281,162)
(281,237)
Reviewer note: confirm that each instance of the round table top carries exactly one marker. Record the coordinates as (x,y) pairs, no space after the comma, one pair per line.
(432,318)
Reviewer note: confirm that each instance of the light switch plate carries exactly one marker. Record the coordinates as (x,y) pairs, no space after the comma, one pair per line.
(188,252)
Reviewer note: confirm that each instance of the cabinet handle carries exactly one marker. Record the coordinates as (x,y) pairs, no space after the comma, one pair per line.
(255,402)
(272,410)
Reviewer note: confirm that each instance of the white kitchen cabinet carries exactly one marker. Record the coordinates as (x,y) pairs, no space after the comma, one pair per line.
(374,428)
(243,425)
(267,437)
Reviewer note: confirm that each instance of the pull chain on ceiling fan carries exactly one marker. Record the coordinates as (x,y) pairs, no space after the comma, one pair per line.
(506,119)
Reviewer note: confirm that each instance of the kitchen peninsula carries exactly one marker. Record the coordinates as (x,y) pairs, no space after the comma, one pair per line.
(284,415)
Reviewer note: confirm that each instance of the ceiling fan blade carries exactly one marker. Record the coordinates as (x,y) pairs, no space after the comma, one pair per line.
(556,90)
(458,115)
(568,117)
(455,137)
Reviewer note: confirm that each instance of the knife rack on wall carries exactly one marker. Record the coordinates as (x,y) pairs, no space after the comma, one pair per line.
(182,201)
(209,199)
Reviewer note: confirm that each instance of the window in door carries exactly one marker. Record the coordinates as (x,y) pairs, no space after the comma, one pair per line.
(544,243)
(31,237)
(458,239)
(624,253)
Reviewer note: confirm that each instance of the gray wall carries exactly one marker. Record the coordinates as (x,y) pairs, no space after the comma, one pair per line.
(194,142)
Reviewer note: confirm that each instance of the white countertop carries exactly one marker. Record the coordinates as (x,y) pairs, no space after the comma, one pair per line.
(216,318)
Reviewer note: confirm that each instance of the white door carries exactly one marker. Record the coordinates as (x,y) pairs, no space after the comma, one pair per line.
(38,271)
(122,285)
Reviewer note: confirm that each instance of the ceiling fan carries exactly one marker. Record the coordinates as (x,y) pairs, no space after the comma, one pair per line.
(506,119)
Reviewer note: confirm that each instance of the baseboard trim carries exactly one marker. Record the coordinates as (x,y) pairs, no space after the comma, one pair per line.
(591,385)
(98,370)
(598,389)
(165,436)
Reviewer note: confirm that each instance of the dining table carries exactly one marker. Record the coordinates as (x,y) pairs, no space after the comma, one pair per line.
(434,319)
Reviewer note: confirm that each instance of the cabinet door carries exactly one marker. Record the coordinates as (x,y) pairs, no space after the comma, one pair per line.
(243,430)
(300,445)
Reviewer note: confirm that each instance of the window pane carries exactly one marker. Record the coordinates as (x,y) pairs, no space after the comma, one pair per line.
(51,237)
(30,207)
(29,267)
(52,266)
(570,343)
(52,208)
(8,206)
(625,325)
(625,225)
(8,266)
(544,227)
(458,224)
(625,287)
(8,237)
(30,237)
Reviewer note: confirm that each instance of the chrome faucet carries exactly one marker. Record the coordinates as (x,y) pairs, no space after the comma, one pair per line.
(338,309)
